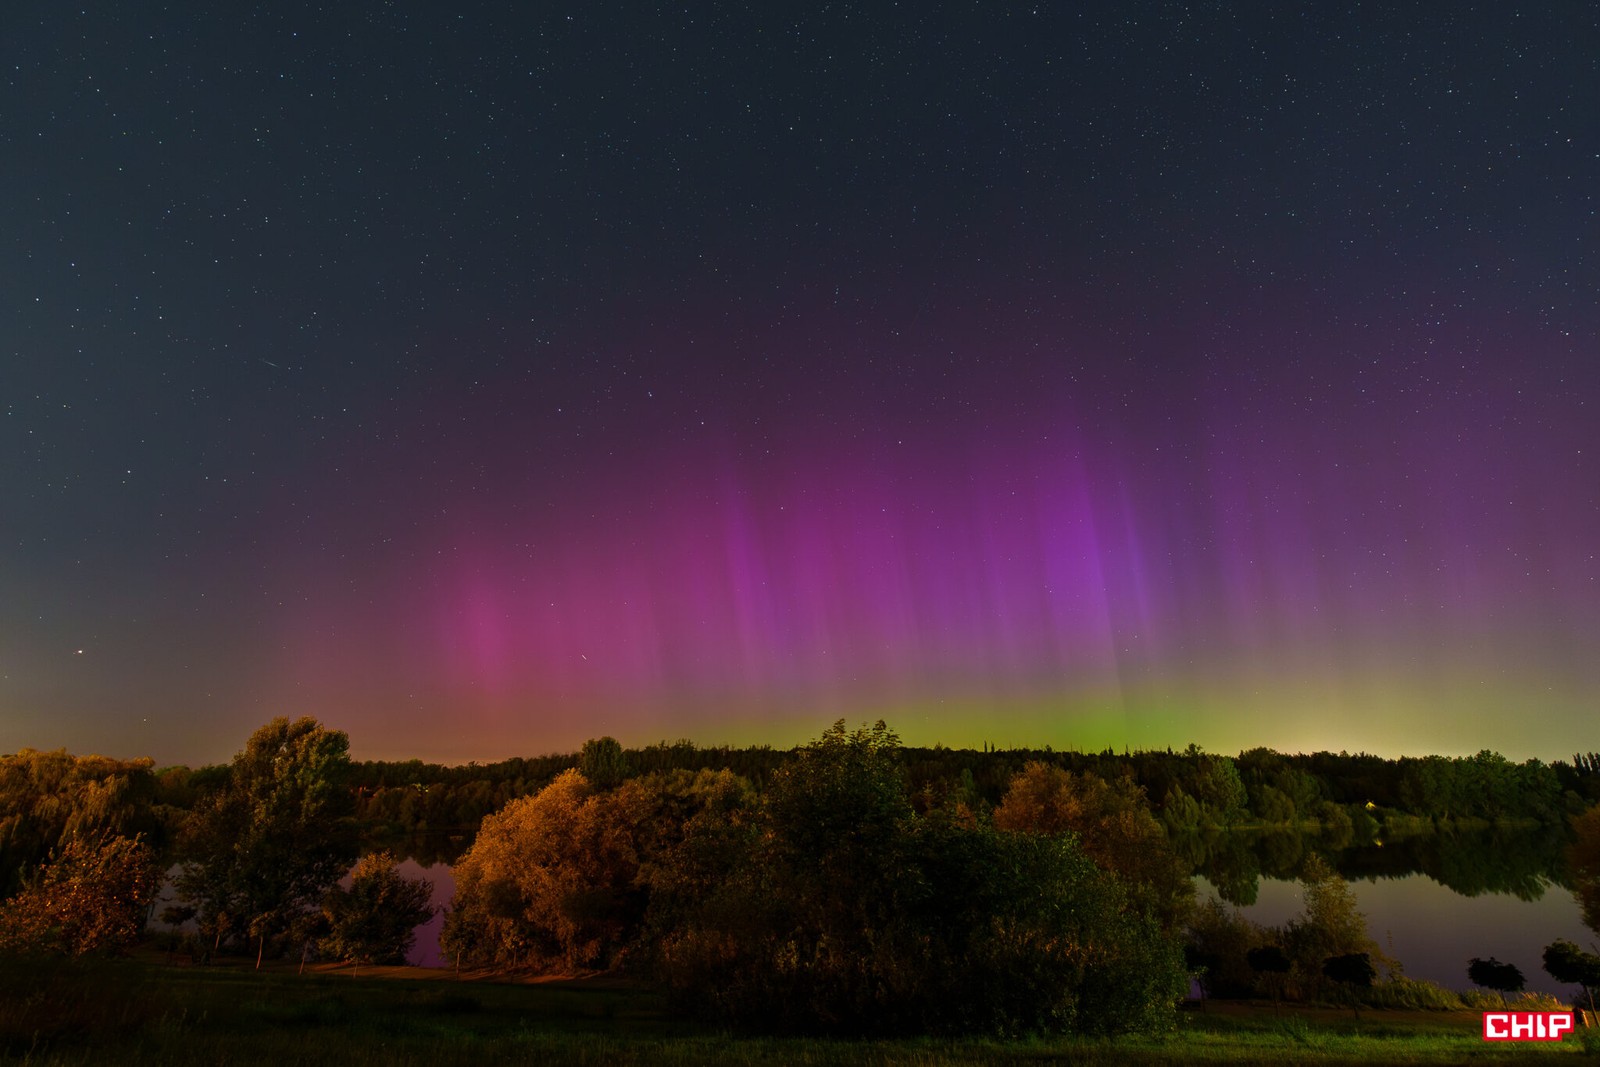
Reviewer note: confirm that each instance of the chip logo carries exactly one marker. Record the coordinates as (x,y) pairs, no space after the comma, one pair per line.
(1526,1025)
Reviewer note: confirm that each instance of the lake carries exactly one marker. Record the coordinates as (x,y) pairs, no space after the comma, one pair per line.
(1433,931)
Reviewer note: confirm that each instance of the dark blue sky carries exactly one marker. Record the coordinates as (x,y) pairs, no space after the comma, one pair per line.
(1098,373)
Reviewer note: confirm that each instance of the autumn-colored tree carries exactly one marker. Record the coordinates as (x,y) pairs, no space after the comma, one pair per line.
(1113,824)
(266,848)
(561,880)
(49,798)
(90,896)
(375,920)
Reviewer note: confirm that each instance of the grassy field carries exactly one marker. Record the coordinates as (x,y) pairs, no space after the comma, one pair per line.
(145,1012)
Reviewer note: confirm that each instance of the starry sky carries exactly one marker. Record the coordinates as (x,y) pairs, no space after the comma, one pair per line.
(482,377)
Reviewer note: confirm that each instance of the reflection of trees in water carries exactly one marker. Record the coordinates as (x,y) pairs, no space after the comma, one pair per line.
(1521,863)
(429,847)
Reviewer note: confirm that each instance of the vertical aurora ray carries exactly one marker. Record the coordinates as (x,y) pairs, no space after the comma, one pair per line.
(1263,576)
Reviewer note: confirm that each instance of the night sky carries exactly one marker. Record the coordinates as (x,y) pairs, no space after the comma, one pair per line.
(480,378)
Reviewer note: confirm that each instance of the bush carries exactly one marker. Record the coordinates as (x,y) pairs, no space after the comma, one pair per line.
(847,913)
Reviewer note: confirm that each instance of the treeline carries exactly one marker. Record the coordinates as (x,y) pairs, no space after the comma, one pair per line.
(1189,790)
(432,811)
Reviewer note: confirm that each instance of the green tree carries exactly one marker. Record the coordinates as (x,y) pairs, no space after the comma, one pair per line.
(1328,925)
(268,846)
(375,920)
(1221,940)
(844,911)
(1566,962)
(602,762)
(1352,971)
(90,896)
(1503,978)
(1270,962)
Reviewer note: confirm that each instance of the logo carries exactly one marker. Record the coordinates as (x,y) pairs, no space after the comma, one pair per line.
(1526,1025)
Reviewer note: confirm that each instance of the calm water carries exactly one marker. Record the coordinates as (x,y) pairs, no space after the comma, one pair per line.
(1432,930)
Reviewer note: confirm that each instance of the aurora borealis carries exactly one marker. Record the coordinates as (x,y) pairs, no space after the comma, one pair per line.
(481,382)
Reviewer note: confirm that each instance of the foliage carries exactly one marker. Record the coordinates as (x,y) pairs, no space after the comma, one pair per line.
(90,896)
(1221,941)
(1503,978)
(375,919)
(1583,857)
(1566,962)
(847,912)
(1113,825)
(267,847)
(1329,925)
(601,762)
(561,880)
(49,798)
(1352,971)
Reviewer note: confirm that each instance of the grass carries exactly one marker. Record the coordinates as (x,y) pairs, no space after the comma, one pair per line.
(143,1012)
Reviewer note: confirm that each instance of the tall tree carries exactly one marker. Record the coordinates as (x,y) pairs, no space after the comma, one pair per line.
(602,762)
(268,846)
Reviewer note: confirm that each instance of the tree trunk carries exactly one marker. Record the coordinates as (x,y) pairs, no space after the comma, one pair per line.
(261,948)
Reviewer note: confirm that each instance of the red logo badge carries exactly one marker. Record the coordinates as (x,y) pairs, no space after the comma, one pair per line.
(1526,1025)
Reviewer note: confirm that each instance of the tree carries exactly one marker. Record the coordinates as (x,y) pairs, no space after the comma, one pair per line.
(1221,940)
(1503,978)
(376,919)
(90,896)
(1270,962)
(1353,971)
(1566,962)
(562,880)
(602,762)
(268,846)
(1329,924)
(844,911)
(49,798)
(1114,826)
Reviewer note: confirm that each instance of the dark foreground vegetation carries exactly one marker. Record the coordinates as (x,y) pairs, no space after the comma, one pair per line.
(114,1012)
(850,889)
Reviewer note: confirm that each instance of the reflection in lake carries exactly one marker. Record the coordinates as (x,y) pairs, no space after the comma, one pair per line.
(1433,931)
(1432,900)
(425,951)
(1520,863)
